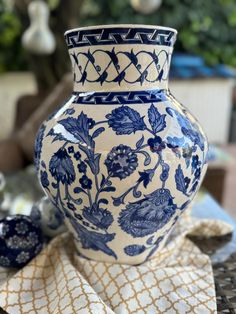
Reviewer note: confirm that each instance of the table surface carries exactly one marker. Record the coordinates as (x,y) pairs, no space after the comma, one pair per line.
(222,251)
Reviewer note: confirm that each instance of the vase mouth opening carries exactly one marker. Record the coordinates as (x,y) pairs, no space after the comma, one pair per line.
(131,26)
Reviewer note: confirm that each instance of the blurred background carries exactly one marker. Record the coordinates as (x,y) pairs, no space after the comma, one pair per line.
(34,79)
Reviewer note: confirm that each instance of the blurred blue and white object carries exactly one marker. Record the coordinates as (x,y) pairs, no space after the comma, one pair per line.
(217,155)
(49,217)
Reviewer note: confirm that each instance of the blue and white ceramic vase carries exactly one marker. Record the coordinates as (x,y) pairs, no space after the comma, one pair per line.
(121,159)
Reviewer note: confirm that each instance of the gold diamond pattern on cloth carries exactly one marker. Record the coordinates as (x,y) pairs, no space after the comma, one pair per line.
(179,279)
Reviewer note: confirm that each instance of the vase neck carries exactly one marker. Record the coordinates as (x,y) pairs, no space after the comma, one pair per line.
(121,57)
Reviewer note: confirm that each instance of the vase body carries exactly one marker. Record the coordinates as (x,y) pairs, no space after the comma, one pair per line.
(121,159)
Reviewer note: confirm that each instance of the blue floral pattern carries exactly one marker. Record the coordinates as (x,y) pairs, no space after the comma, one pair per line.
(149,214)
(61,167)
(93,175)
(19,238)
(121,162)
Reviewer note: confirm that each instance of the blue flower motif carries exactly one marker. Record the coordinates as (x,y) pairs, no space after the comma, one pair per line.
(121,162)
(100,217)
(125,120)
(85,182)
(38,145)
(149,214)
(44,178)
(71,149)
(61,167)
(82,167)
(77,155)
(156,144)
(91,123)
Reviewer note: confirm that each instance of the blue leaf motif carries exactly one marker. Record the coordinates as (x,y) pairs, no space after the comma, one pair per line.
(147,159)
(94,240)
(97,132)
(150,240)
(102,77)
(184,205)
(179,180)
(156,120)
(119,78)
(79,128)
(135,249)
(83,77)
(140,142)
(113,56)
(56,136)
(143,76)
(103,201)
(160,75)
(108,189)
(133,58)
(146,177)
(90,57)
(75,58)
(125,120)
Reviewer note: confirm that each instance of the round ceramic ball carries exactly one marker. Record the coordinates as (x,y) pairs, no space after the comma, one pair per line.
(20,241)
(146,6)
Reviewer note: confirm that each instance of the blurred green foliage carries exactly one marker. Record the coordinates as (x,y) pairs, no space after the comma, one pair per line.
(11,54)
(205,27)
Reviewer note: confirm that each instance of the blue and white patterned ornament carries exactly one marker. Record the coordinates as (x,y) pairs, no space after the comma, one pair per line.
(20,241)
(121,159)
(48,217)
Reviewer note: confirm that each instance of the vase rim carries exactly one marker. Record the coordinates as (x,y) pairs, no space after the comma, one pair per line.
(121,26)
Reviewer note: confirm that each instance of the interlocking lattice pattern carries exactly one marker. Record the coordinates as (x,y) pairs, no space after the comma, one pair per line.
(178,280)
(120,35)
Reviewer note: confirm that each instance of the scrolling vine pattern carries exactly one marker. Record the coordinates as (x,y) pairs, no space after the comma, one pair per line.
(138,219)
(157,64)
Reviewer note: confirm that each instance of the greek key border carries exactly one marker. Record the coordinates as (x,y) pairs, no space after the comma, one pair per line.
(121,36)
(120,98)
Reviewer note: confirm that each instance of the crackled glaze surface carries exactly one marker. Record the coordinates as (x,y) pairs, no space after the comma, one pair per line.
(121,159)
